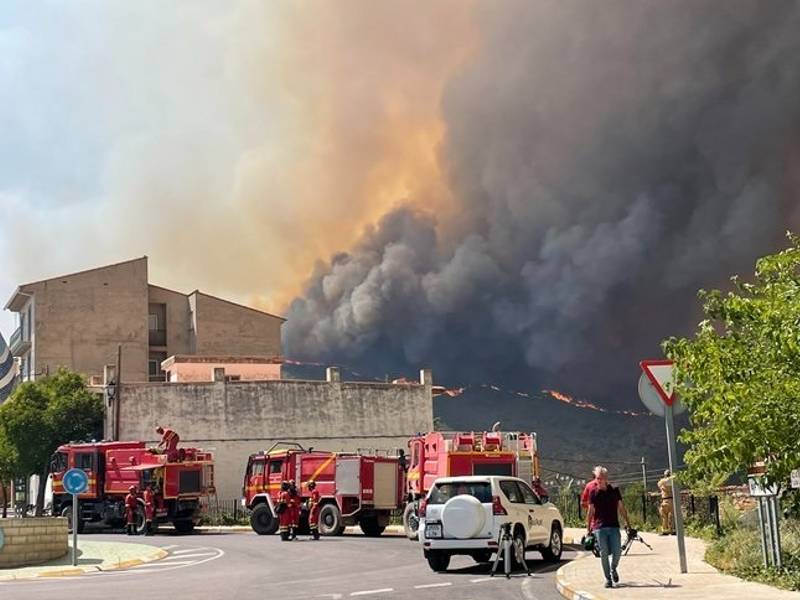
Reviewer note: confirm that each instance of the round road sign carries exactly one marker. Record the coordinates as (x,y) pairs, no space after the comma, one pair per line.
(652,400)
(76,481)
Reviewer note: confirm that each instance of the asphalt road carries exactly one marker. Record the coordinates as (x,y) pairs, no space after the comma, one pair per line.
(244,566)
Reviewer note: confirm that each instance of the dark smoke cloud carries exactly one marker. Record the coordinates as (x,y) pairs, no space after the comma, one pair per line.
(609,159)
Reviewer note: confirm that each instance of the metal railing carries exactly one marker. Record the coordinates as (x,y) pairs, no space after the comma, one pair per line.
(15,338)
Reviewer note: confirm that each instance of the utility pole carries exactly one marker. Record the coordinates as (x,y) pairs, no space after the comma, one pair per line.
(118,392)
(644,491)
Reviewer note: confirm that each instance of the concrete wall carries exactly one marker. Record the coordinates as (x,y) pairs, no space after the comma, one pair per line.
(32,541)
(237,418)
(81,318)
(204,371)
(223,327)
(179,324)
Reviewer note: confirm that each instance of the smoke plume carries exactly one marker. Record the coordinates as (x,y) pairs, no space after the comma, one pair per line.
(605,161)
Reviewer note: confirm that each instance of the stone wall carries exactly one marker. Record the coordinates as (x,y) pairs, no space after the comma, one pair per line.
(32,541)
(238,418)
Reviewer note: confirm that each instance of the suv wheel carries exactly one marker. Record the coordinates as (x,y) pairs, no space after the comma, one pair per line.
(552,553)
(438,561)
(518,549)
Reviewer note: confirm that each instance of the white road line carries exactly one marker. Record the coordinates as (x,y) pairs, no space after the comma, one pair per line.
(185,550)
(163,563)
(367,592)
(174,556)
(170,547)
(431,585)
(482,579)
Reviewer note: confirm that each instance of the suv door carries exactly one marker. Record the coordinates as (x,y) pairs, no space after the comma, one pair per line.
(538,521)
(517,509)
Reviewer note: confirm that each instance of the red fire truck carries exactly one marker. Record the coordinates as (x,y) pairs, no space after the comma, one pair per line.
(354,488)
(113,467)
(450,454)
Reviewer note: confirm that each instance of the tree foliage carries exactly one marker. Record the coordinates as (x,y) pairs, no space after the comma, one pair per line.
(740,374)
(41,415)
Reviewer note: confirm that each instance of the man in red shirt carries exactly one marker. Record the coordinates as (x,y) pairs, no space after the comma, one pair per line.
(605,506)
(588,489)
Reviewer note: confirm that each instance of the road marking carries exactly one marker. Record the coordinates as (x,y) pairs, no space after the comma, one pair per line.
(176,555)
(481,580)
(332,596)
(163,563)
(367,592)
(184,551)
(170,547)
(432,585)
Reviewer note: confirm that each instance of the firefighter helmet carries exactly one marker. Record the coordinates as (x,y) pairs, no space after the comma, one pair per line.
(285,486)
(132,488)
(311,484)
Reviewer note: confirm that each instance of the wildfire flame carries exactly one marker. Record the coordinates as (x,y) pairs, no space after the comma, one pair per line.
(566,399)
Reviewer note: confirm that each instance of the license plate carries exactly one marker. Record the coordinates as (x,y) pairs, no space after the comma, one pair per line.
(433,530)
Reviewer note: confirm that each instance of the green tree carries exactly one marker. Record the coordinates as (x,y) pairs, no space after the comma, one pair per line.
(8,470)
(740,374)
(43,414)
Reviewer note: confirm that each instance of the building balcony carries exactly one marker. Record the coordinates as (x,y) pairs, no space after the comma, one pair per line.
(18,343)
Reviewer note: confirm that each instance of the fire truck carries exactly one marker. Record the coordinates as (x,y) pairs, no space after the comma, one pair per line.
(354,488)
(112,467)
(450,454)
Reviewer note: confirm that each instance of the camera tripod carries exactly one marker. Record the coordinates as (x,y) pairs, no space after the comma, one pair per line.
(505,546)
(633,536)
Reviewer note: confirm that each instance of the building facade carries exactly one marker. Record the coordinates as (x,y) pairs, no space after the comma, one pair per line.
(80,320)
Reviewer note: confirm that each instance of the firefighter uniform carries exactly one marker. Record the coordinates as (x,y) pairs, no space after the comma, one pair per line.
(284,518)
(130,510)
(149,509)
(169,441)
(667,506)
(313,509)
(293,508)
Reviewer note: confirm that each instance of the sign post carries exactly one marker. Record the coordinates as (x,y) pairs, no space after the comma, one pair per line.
(657,392)
(75,482)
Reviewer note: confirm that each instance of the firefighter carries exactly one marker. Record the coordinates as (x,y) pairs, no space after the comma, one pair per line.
(130,510)
(149,509)
(169,443)
(313,509)
(667,506)
(293,508)
(284,519)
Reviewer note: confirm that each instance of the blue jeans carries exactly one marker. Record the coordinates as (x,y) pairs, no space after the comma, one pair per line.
(610,542)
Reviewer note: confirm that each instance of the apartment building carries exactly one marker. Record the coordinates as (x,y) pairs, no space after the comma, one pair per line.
(81,319)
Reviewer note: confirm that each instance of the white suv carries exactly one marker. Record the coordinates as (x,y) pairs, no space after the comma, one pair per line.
(464,515)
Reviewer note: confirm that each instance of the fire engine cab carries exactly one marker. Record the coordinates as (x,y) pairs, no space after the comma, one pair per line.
(112,467)
(465,453)
(354,488)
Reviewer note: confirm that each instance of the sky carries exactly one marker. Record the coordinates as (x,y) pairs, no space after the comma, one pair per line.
(522,192)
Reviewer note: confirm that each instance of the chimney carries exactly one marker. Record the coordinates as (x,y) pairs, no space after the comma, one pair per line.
(219,375)
(426,377)
(333,375)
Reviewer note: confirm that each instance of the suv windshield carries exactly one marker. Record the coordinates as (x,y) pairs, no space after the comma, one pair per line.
(442,492)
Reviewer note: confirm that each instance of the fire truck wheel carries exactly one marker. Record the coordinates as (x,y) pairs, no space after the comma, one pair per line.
(371,527)
(67,513)
(183,525)
(411,521)
(140,523)
(438,561)
(330,520)
(262,521)
(553,551)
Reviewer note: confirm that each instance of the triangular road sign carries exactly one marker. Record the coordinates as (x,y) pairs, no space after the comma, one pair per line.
(660,374)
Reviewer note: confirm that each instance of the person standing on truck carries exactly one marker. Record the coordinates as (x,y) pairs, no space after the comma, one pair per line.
(130,510)
(169,443)
(313,509)
(602,520)
(667,506)
(282,509)
(293,507)
(149,509)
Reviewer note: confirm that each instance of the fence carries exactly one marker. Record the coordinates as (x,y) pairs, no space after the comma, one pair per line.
(643,508)
(225,512)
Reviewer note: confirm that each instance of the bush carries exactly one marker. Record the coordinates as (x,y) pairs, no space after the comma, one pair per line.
(739,553)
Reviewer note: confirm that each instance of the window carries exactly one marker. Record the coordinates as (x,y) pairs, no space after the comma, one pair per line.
(258,469)
(528,495)
(442,492)
(152,322)
(415,454)
(58,464)
(85,461)
(275,466)
(511,490)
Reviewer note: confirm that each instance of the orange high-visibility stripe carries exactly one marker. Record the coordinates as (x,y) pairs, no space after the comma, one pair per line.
(321,468)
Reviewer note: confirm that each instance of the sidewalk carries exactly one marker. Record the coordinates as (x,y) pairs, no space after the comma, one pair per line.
(92,556)
(656,574)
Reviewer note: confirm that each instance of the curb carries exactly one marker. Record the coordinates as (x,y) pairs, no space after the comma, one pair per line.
(568,592)
(75,571)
